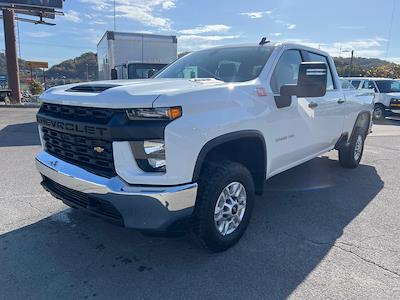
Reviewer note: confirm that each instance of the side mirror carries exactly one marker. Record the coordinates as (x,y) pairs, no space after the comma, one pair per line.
(151,73)
(114,74)
(311,82)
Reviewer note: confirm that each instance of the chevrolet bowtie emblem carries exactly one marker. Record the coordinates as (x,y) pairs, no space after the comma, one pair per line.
(98,149)
(54,163)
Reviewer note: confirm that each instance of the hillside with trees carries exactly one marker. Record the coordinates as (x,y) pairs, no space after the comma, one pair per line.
(78,69)
(367,67)
(82,68)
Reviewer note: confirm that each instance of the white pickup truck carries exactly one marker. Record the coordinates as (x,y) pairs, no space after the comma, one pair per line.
(198,141)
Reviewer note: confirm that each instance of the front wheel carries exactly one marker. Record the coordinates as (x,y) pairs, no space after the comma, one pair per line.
(379,112)
(350,155)
(224,205)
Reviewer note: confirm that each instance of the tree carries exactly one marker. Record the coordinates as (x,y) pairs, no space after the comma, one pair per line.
(36,88)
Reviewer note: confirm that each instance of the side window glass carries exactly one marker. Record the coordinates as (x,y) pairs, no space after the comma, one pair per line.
(286,70)
(320,58)
(373,86)
(369,85)
(366,84)
(356,83)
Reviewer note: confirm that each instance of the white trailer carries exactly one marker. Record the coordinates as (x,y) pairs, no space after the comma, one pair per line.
(124,55)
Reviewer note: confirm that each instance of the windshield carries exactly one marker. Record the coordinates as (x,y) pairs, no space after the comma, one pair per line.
(388,86)
(139,71)
(236,64)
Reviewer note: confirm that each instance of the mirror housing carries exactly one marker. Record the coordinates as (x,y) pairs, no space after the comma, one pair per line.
(311,82)
(151,73)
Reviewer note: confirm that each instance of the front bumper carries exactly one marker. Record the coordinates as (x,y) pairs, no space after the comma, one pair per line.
(153,208)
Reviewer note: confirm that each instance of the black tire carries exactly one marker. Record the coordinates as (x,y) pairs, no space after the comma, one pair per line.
(379,113)
(347,155)
(213,179)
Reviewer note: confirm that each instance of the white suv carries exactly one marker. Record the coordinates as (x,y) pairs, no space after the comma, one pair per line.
(387,94)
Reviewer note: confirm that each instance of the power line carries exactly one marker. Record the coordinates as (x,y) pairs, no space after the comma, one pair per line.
(390,29)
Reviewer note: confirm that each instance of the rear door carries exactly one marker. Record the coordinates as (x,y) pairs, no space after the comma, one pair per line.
(328,111)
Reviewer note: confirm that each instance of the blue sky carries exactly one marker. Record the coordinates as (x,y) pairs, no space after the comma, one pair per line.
(336,26)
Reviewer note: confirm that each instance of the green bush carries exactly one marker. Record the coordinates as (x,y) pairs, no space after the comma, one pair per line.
(36,88)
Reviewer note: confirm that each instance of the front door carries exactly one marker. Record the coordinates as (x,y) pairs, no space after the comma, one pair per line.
(291,126)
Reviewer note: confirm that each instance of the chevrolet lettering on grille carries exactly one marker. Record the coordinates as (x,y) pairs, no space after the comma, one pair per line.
(71,127)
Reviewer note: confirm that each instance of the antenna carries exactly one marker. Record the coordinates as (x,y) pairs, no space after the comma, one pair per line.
(264,41)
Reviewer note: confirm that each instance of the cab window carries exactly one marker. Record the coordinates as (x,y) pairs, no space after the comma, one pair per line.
(368,84)
(286,70)
(356,83)
(313,57)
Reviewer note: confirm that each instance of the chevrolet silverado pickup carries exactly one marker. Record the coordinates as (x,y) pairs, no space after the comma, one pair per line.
(195,144)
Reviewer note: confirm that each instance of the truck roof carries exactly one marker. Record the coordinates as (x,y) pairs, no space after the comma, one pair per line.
(274,44)
(109,34)
(367,78)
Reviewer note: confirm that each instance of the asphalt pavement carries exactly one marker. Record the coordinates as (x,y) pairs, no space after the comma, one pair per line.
(319,232)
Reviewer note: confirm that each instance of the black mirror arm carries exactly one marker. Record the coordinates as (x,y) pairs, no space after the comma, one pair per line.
(289,90)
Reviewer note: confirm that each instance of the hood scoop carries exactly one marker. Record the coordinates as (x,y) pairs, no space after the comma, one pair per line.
(91,88)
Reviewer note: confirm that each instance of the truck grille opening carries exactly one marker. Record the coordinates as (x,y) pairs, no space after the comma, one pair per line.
(82,200)
(80,151)
(78,113)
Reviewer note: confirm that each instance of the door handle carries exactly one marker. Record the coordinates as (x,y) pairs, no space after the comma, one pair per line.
(312,105)
(341,101)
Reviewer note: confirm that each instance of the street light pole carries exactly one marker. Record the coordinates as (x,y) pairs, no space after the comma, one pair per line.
(115,21)
(351,63)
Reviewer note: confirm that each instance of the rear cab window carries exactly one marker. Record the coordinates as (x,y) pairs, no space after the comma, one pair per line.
(314,57)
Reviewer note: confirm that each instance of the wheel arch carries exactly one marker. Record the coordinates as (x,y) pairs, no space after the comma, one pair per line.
(252,152)
(363,121)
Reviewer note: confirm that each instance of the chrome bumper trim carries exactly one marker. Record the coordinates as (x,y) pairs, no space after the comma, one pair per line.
(173,198)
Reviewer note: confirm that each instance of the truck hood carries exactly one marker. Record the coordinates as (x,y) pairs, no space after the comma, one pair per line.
(393,95)
(123,93)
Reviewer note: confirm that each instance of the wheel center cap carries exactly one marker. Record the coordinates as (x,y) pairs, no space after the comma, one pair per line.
(234,209)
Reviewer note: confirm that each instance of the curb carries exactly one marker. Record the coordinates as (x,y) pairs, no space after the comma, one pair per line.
(20,106)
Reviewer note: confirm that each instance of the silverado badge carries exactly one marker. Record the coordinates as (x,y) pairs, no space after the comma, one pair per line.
(98,149)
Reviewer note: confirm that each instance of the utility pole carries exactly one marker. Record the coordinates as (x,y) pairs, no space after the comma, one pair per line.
(115,21)
(87,72)
(351,63)
(11,55)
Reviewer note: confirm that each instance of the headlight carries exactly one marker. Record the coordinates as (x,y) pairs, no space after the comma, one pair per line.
(150,155)
(162,113)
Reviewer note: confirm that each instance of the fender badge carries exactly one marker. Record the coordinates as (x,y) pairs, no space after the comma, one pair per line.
(261,92)
(98,149)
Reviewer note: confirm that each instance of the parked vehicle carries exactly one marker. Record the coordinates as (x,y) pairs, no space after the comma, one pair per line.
(199,140)
(387,94)
(123,55)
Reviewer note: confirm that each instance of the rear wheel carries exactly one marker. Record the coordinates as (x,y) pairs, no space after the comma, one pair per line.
(350,155)
(379,112)
(224,205)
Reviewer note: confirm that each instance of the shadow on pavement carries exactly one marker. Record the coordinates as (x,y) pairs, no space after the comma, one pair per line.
(25,134)
(294,226)
(394,119)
